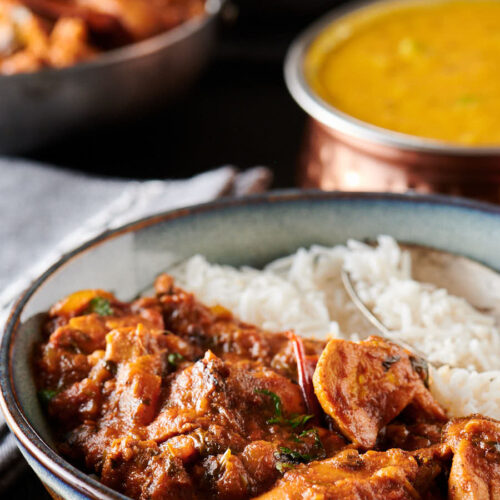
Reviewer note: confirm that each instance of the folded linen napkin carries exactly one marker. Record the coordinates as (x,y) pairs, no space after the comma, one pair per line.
(45,212)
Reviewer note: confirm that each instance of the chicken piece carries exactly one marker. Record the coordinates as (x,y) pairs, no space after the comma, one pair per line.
(26,30)
(63,359)
(166,477)
(260,458)
(215,405)
(80,402)
(98,22)
(215,328)
(351,475)
(23,39)
(134,357)
(227,476)
(20,62)
(475,470)
(68,43)
(140,18)
(123,20)
(203,410)
(126,344)
(82,334)
(409,436)
(139,382)
(433,466)
(212,391)
(365,385)
(141,358)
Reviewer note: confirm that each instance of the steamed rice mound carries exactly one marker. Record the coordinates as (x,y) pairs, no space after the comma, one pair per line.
(304,292)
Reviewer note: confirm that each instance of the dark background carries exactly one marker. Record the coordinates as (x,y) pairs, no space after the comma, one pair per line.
(238,113)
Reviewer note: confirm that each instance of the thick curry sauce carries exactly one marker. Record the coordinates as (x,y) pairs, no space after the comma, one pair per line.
(165,398)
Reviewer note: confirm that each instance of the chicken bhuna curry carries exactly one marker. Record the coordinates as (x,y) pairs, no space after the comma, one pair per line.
(165,398)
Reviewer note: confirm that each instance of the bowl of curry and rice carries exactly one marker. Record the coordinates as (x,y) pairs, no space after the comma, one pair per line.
(214,352)
(67,66)
(401,95)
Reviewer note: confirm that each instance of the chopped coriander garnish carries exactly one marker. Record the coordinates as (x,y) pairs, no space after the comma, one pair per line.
(101,306)
(315,433)
(307,432)
(46,395)
(276,400)
(283,466)
(294,421)
(288,455)
(299,420)
(174,358)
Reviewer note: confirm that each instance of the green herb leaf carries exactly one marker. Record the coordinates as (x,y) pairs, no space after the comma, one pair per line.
(315,433)
(294,421)
(283,466)
(174,358)
(307,432)
(299,420)
(46,395)
(293,456)
(101,306)
(277,404)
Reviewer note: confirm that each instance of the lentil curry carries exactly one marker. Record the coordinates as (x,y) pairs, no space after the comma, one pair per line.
(427,68)
(165,398)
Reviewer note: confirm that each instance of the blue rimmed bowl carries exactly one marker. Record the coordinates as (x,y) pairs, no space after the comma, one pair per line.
(249,231)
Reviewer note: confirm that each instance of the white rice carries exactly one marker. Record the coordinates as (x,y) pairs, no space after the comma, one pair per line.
(304,292)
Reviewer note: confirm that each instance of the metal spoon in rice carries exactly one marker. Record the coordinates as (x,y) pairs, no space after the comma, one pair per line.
(476,283)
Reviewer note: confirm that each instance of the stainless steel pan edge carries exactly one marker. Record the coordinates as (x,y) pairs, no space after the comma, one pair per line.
(36,108)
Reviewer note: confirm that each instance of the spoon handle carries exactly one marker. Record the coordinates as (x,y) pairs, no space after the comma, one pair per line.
(368,314)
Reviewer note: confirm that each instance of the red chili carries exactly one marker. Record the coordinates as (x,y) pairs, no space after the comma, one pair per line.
(305,370)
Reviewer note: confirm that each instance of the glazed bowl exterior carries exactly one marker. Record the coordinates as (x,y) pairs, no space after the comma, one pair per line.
(342,152)
(250,231)
(38,107)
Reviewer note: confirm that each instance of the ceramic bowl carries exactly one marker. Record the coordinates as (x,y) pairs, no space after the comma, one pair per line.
(248,231)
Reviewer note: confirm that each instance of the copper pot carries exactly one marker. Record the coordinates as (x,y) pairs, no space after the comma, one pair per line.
(343,153)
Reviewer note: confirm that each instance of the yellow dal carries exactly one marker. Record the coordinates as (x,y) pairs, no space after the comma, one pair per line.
(429,69)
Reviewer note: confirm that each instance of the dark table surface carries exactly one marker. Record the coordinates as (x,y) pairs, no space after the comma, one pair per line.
(238,113)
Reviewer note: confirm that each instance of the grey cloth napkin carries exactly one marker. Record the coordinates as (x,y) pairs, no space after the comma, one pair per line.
(45,212)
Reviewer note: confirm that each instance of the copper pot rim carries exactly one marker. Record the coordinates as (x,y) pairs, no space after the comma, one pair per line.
(345,124)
